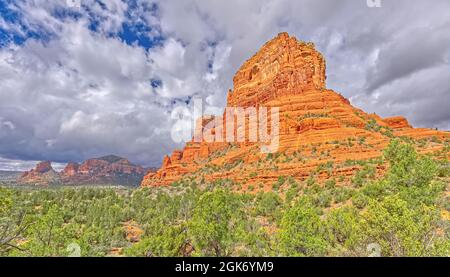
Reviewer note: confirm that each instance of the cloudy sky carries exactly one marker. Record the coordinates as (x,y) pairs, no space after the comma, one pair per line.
(102,78)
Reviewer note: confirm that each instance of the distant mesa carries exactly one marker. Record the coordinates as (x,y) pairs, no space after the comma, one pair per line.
(318,126)
(107,170)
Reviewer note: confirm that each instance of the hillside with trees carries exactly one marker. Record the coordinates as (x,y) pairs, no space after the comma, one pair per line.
(405,212)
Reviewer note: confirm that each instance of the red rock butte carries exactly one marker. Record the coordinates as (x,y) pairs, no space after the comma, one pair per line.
(42,174)
(106,170)
(317,125)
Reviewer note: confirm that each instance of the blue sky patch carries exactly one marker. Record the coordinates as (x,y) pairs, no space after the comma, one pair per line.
(134,31)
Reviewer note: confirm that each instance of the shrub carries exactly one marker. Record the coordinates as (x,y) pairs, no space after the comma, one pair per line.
(168,243)
(267,203)
(310,181)
(406,168)
(253,174)
(330,184)
(342,194)
(344,228)
(213,223)
(373,126)
(360,200)
(301,231)
(401,231)
(324,199)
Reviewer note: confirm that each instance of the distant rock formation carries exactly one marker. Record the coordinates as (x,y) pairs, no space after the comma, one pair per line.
(42,174)
(105,170)
(71,169)
(317,125)
(108,170)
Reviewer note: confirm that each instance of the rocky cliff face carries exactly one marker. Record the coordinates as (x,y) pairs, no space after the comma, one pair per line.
(108,170)
(318,128)
(282,65)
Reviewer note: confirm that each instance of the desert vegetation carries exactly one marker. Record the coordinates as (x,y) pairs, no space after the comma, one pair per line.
(405,212)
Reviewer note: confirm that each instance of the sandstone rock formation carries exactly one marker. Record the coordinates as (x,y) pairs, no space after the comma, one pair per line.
(42,174)
(108,170)
(397,122)
(281,66)
(317,126)
(71,169)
